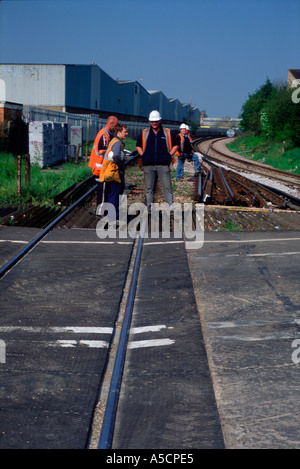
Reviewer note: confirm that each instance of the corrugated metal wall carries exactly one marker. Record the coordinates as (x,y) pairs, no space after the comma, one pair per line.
(108,93)
(161,103)
(34,84)
(78,86)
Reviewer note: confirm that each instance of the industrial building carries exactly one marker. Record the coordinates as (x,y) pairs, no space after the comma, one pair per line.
(86,89)
(293,76)
(133,99)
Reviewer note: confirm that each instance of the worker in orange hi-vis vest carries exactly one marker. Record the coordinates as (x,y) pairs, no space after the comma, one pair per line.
(185,152)
(101,142)
(156,148)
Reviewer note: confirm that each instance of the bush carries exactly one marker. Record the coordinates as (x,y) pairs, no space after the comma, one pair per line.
(251,110)
(271,112)
(283,118)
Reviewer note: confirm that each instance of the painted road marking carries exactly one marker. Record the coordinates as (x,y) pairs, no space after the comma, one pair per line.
(151,243)
(150,343)
(245,241)
(259,324)
(64,242)
(263,254)
(141,330)
(13,241)
(71,343)
(261,337)
(74,343)
(251,323)
(77,330)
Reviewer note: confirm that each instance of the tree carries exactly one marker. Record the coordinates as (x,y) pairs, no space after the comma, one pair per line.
(192,124)
(272,113)
(283,118)
(251,110)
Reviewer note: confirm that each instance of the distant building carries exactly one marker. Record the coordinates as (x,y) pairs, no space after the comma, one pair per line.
(132,98)
(66,88)
(195,115)
(85,89)
(293,74)
(159,102)
(177,110)
(170,109)
(10,111)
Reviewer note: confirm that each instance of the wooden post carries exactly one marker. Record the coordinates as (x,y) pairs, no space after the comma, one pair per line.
(27,169)
(77,153)
(19,174)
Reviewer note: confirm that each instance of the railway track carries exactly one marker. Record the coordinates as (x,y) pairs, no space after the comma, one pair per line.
(224,181)
(40,216)
(69,209)
(116,364)
(123,320)
(33,252)
(46,229)
(237,162)
(179,302)
(49,218)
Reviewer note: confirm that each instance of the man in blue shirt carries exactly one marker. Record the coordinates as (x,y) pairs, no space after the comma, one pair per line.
(156,147)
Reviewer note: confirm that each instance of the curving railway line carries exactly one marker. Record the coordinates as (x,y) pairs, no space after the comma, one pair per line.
(209,147)
(229,180)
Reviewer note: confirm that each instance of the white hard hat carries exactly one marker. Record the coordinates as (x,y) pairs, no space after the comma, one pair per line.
(183,126)
(154,116)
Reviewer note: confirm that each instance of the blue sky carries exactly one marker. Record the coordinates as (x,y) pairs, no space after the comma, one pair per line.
(212,52)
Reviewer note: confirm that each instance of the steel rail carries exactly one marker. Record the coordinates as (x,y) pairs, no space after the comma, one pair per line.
(254,166)
(115,384)
(290,201)
(4,269)
(226,185)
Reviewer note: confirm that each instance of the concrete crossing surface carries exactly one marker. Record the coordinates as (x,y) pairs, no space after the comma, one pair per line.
(214,345)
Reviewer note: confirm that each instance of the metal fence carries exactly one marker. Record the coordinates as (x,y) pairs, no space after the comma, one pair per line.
(91,124)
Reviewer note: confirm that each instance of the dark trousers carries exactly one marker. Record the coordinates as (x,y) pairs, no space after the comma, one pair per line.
(112,192)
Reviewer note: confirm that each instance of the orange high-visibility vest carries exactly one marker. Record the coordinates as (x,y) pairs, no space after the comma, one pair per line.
(178,153)
(95,155)
(145,135)
(111,144)
(106,163)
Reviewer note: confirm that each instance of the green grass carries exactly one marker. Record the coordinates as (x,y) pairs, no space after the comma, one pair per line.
(271,153)
(44,184)
(230,226)
(130,144)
